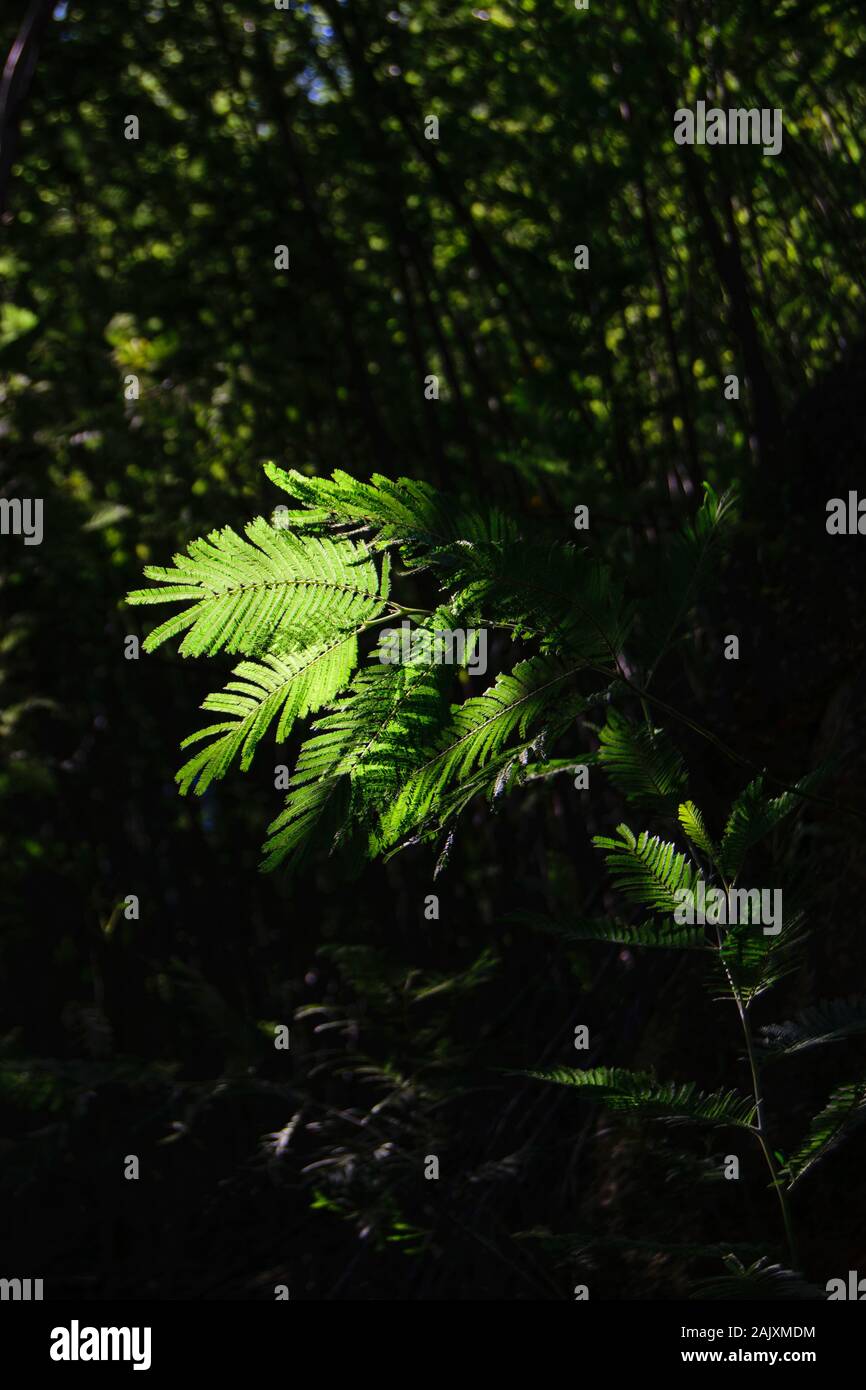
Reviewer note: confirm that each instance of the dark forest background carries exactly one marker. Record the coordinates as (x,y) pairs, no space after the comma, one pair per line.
(409,256)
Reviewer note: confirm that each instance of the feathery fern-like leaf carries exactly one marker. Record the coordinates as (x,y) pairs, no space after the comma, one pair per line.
(637,1093)
(369,741)
(315,811)
(844,1113)
(556,594)
(469,751)
(753,815)
(758,1281)
(405,512)
(826,1022)
(668,936)
(641,762)
(647,870)
(284,688)
(272,590)
(692,822)
(754,962)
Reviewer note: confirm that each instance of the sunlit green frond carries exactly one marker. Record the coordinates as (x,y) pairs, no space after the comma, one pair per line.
(826,1022)
(648,870)
(369,740)
(314,812)
(692,822)
(284,688)
(641,762)
(406,512)
(396,729)
(639,1094)
(470,752)
(272,590)
(844,1113)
